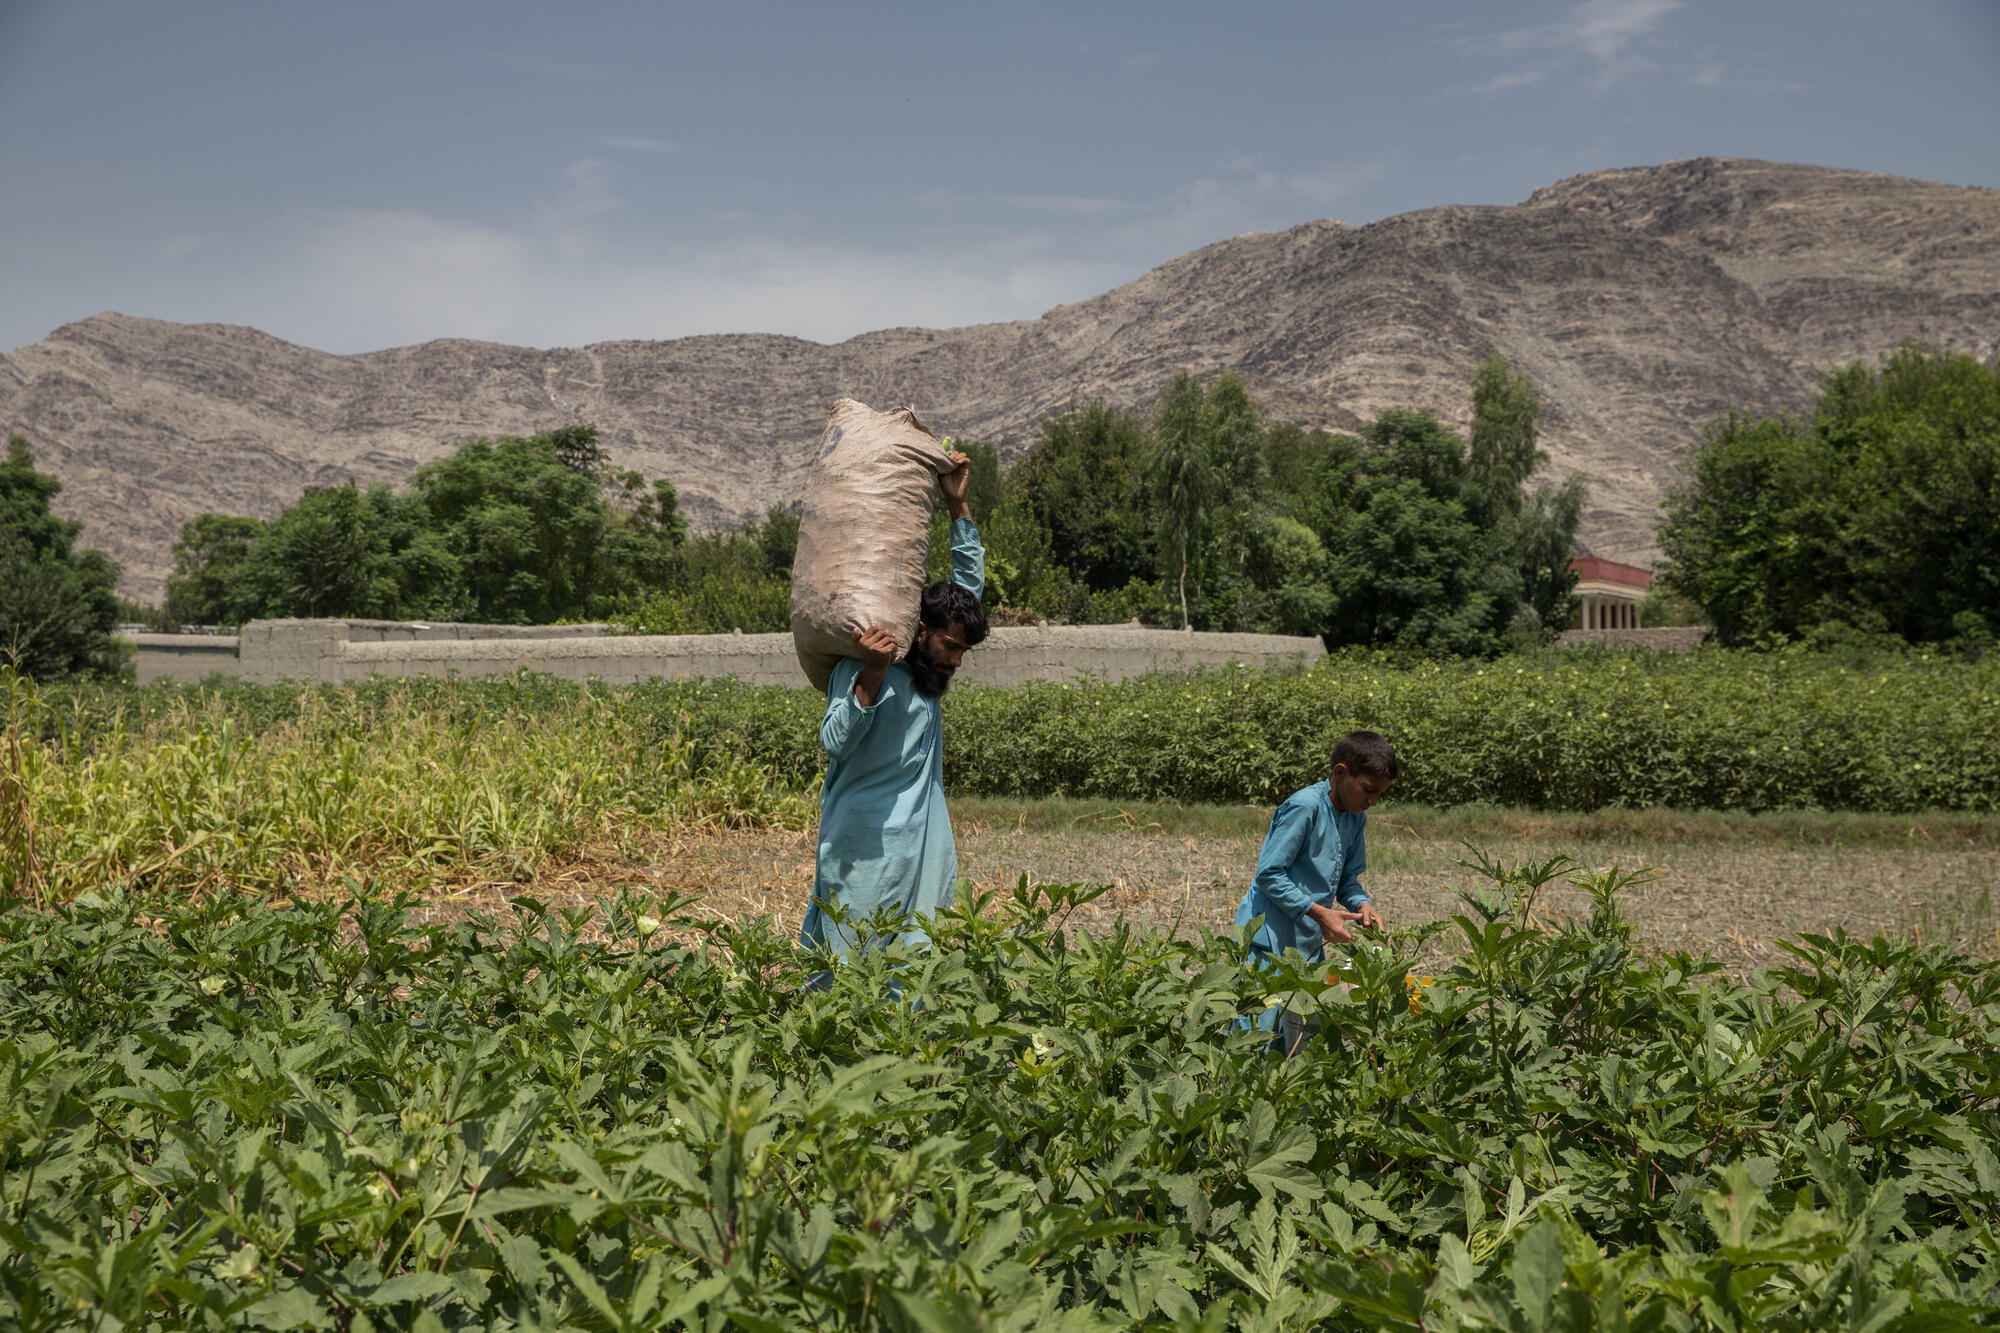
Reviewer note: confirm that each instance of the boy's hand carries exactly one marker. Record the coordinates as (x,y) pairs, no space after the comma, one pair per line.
(1333,924)
(1372,919)
(954,485)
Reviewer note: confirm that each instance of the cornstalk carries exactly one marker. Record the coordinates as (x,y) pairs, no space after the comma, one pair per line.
(17,816)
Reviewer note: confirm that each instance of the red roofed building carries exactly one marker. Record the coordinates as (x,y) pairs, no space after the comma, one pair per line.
(1610,593)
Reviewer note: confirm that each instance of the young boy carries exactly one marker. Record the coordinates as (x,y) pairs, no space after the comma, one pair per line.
(1308,882)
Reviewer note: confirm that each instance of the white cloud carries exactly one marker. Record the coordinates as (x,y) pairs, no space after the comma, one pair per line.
(547,66)
(571,219)
(404,275)
(583,265)
(1708,71)
(1604,32)
(1501,83)
(636,145)
(1325,188)
(1605,28)
(1065,203)
(1036,287)
(588,193)
(944,201)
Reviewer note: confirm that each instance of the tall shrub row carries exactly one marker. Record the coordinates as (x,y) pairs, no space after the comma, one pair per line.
(1560,731)
(1712,731)
(1572,731)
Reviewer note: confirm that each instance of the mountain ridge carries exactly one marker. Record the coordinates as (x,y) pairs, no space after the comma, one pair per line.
(1644,302)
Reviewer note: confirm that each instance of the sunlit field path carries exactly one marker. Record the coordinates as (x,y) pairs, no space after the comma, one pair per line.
(1729,884)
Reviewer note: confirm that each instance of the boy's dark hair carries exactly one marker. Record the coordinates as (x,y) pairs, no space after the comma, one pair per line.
(945,604)
(1366,754)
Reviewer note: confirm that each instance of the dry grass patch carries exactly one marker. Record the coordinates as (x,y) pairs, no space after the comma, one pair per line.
(1729,887)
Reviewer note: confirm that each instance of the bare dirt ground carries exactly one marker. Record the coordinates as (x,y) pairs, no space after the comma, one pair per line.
(1733,885)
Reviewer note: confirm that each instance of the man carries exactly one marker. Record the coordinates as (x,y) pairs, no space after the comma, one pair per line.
(884,837)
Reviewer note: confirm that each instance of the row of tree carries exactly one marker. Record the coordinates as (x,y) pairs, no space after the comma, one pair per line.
(1204,516)
(1208,516)
(505,531)
(1877,515)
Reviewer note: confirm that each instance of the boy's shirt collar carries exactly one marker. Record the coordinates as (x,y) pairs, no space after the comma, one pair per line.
(1326,795)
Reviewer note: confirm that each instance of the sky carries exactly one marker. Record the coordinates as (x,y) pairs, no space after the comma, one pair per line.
(354,175)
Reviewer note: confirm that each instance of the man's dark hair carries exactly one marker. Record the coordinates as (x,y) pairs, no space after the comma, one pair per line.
(1366,754)
(946,604)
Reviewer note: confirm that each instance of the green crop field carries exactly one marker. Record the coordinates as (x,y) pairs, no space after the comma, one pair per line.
(220,1115)
(190,791)
(253,1076)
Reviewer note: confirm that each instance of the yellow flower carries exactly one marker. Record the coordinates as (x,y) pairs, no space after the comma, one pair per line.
(1416,986)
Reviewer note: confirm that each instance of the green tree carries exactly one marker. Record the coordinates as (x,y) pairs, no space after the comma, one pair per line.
(642,539)
(1237,440)
(512,530)
(1921,440)
(1294,459)
(206,558)
(1289,574)
(327,555)
(984,487)
(1878,514)
(526,520)
(1181,475)
(576,448)
(1406,563)
(1506,416)
(778,535)
(57,605)
(1755,534)
(1082,484)
(1541,537)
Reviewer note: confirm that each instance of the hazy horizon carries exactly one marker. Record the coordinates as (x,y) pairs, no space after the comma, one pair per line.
(374,175)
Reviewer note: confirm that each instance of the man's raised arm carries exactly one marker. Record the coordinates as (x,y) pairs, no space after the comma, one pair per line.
(968,554)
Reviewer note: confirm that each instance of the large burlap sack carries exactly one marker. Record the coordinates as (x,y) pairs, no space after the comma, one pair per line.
(864,527)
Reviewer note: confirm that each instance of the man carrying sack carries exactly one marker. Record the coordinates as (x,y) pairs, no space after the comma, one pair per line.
(885,840)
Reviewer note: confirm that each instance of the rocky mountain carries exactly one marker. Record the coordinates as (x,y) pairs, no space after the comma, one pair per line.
(1644,302)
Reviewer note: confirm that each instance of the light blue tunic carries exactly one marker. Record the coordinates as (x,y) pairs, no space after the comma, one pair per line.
(1313,854)
(884,837)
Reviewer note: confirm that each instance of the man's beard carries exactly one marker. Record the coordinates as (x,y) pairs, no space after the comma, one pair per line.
(930,680)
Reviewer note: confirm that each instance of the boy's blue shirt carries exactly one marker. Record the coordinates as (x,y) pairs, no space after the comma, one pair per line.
(1313,854)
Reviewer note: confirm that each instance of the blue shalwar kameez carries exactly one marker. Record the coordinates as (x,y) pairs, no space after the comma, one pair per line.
(884,837)
(1314,854)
